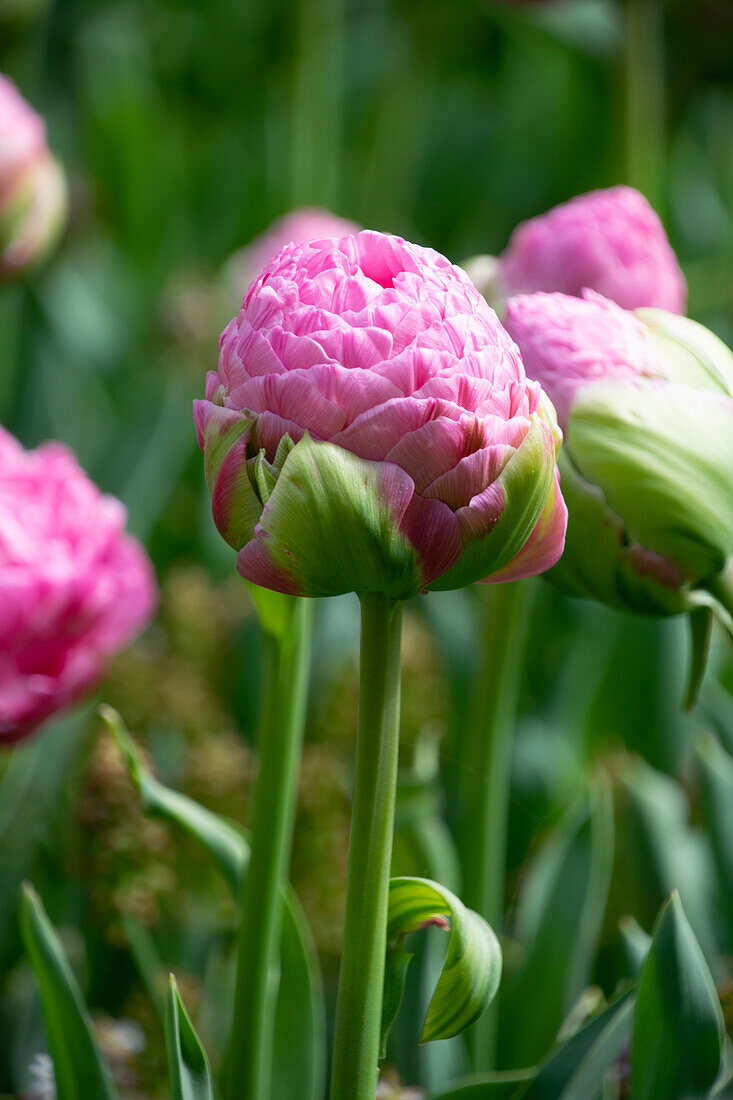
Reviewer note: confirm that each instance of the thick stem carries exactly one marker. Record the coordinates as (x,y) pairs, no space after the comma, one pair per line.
(361,980)
(487,759)
(248,1062)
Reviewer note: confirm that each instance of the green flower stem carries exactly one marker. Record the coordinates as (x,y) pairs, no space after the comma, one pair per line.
(487,757)
(248,1061)
(361,980)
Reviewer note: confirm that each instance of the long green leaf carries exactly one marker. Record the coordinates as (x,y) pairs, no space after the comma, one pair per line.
(577,1068)
(471,973)
(299,1056)
(79,1069)
(559,919)
(188,1066)
(487,1086)
(677,1047)
(224,841)
(715,768)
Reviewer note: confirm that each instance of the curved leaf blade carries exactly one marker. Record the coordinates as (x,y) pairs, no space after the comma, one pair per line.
(188,1066)
(487,1086)
(299,1056)
(559,920)
(223,840)
(471,972)
(677,1046)
(79,1069)
(576,1069)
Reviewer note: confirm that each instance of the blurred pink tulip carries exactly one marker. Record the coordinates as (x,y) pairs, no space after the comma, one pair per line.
(74,587)
(426,458)
(32,187)
(299,226)
(609,241)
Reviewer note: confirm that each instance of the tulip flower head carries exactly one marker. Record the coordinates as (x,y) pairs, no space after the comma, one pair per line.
(646,405)
(74,587)
(370,428)
(610,241)
(32,187)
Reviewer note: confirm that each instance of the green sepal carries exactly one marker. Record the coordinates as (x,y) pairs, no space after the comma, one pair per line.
(677,1046)
(331,525)
(471,972)
(79,1069)
(527,481)
(662,453)
(701,628)
(688,352)
(188,1065)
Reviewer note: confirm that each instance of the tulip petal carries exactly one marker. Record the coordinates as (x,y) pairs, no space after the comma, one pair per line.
(498,522)
(543,547)
(223,435)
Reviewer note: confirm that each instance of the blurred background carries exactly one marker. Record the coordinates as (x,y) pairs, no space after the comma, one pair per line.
(185,129)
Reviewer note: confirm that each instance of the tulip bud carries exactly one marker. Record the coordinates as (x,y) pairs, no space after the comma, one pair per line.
(33,198)
(646,403)
(609,241)
(371,428)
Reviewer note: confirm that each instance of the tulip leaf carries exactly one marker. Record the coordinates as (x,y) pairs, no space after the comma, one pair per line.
(471,973)
(222,839)
(577,1068)
(299,1042)
(79,1068)
(487,1086)
(559,918)
(188,1066)
(715,768)
(677,1046)
(636,943)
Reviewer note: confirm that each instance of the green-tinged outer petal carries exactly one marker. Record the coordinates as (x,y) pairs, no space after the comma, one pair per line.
(598,561)
(223,437)
(471,973)
(662,453)
(79,1069)
(188,1066)
(527,481)
(688,352)
(677,1046)
(331,525)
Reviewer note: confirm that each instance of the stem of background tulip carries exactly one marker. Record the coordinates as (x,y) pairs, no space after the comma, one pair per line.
(645,98)
(248,1061)
(361,979)
(486,760)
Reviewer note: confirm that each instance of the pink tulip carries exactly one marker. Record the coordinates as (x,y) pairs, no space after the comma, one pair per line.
(371,426)
(568,342)
(645,401)
(308,224)
(32,187)
(74,587)
(609,241)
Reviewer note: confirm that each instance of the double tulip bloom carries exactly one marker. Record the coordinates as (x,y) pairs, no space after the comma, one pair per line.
(611,241)
(646,405)
(32,186)
(74,587)
(371,428)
